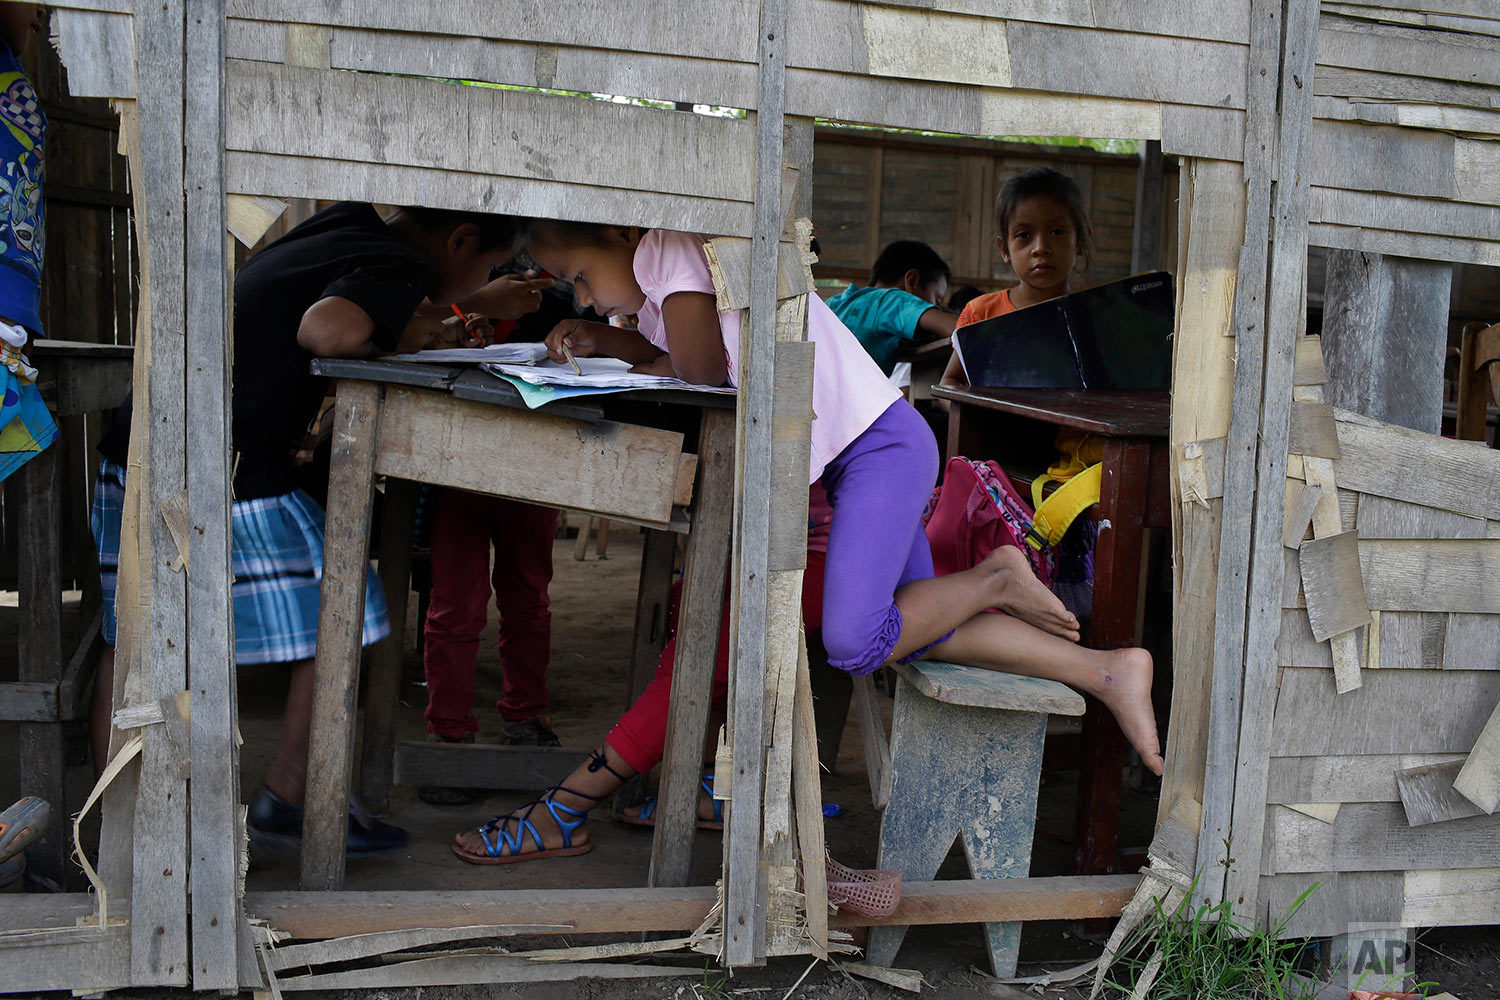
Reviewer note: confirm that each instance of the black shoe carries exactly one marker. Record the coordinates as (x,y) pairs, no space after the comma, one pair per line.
(533,732)
(445,795)
(274,824)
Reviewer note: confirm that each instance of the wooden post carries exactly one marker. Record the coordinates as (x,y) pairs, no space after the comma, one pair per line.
(652,609)
(1240,447)
(158,903)
(215,769)
(384,685)
(351,485)
(1385,336)
(744,910)
(696,654)
(1285,320)
(40,649)
(1145,238)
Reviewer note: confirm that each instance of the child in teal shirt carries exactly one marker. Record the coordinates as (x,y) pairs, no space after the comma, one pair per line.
(900,304)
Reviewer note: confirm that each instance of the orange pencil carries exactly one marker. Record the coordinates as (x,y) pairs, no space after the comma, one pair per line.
(478,340)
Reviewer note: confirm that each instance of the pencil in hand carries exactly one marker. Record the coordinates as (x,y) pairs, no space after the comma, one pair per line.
(577,368)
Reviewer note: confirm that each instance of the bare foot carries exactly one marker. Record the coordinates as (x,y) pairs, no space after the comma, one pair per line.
(503,831)
(1125,688)
(1021,595)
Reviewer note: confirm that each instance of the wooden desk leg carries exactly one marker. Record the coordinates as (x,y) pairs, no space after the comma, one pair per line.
(652,609)
(1117,594)
(698,621)
(351,484)
(384,685)
(40,648)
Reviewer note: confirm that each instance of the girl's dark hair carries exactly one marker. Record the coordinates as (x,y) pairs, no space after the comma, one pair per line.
(908,255)
(496,232)
(561,232)
(1053,184)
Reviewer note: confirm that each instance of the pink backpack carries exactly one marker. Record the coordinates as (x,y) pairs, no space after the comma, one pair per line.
(975,510)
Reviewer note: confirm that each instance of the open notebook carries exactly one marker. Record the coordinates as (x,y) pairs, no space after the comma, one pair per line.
(1114,336)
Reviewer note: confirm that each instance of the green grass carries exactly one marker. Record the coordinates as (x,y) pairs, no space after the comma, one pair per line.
(1208,955)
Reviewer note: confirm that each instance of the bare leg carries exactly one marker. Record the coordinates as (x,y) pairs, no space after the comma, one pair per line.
(931,607)
(288,774)
(1120,678)
(101,708)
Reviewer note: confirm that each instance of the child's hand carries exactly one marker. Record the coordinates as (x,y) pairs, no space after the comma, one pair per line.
(580,335)
(657,366)
(508,296)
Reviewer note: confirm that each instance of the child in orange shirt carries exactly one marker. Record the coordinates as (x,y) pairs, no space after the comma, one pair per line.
(1043,231)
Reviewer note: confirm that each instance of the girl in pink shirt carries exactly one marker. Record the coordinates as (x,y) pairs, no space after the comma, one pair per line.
(878,462)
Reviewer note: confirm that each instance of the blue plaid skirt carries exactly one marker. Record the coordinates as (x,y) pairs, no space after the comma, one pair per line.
(277,558)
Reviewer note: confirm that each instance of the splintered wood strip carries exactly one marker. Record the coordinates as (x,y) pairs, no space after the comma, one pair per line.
(1334,778)
(1479,779)
(1327,521)
(1374,836)
(1428,795)
(457,970)
(1422,246)
(1301,499)
(1382,717)
(1332,582)
(98,48)
(729,264)
(357,946)
(1313,431)
(807,790)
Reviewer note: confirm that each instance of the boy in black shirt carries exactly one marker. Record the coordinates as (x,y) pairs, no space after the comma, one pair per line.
(344,283)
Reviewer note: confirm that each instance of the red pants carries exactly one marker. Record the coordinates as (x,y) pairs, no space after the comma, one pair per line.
(640,736)
(464,527)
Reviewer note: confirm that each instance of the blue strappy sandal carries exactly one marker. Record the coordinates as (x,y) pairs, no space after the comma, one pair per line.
(647,815)
(502,846)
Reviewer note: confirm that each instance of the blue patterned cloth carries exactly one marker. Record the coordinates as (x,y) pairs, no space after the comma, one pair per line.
(277,558)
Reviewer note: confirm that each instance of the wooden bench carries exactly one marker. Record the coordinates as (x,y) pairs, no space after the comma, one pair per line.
(966,760)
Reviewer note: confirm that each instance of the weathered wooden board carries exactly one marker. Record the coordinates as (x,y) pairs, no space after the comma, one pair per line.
(1138,67)
(1208,133)
(1308,366)
(1428,795)
(82,958)
(371,117)
(1375,210)
(602,467)
(1379,158)
(1313,431)
(1458,897)
(1440,574)
(310,177)
(1380,717)
(1374,836)
(1479,779)
(1412,52)
(1340,898)
(98,49)
(1382,517)
(1404,244)
(1478,123)
(1360,778)
(455,970)
(1472,642)
(1331,580)
(1295,645)
(1422,88)
(1383,459)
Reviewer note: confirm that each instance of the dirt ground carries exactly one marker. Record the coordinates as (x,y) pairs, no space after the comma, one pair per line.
(593,606)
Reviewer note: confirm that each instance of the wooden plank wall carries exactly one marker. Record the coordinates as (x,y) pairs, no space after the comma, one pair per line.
(870,188)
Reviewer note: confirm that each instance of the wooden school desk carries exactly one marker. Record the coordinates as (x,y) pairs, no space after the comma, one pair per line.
(1016,427)
(463,428)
